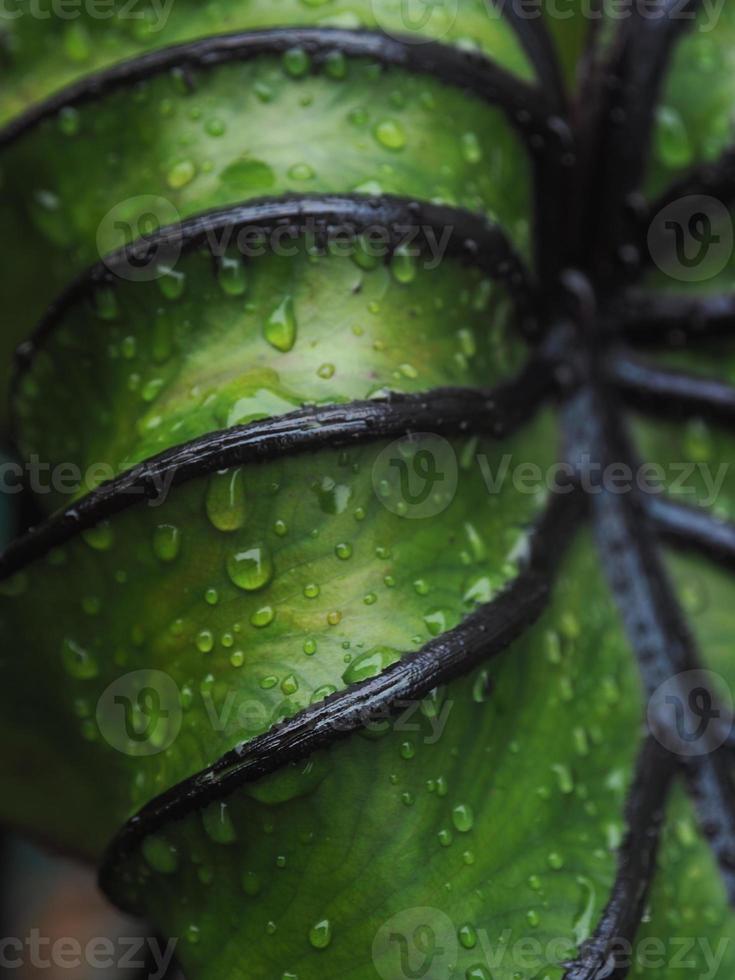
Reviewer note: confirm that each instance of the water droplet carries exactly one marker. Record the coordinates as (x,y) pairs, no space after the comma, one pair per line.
(231,275)
(403,266)
(77,661)
(672,141)
(320,935)
(281,326)
(555,861)
(100,538)
(390,134)
(167,542)
(225,501)
(343,551)
(218,824)
(205,641)
(478,972)
(467,936)
(263,617)
(251,568)
(370,664)
(463,818)
(181,174)
(296,62)
(471,149)
(160,854)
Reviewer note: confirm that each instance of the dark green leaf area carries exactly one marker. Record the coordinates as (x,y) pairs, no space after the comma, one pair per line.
(502,830)
(242,597)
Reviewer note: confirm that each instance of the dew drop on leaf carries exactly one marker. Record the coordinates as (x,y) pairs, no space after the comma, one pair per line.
(251,568)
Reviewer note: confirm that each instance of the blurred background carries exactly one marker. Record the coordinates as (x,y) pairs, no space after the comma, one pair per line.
(54,922)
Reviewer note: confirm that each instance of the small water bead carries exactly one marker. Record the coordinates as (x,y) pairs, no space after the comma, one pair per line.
(301,171)
(320,935)
(467,935)
(269,682)
(232,276)
(281,861)
(160,854)
(673,145)
(193,934)
(205,641)
(181,174)
(421,586)
(390,134)
(463,818)
(211,597)
(370,599)
(271,928)
(533,918)
(403,266)
(237,659)
(281,327)
(215,127)
(172,285)
(326,371)
(77,661)
(343,551)
(310,647)
(280,529)
(69,122)
(408,750)
(534,883)
(218,825)
(564,778)
(334,618)
(290,685)
(251,568)
(370,664)
(263,617)
(478,972)
(471,148)
(445,837)
(296,62)
(335,65)
(555,861)
(167,542)
(101,537)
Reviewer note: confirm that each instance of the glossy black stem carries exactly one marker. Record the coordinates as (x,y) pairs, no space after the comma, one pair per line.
(608,952)
(482,635)
(495,413)
(668,393)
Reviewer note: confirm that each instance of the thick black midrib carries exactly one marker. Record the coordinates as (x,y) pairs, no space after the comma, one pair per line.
(543,226)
